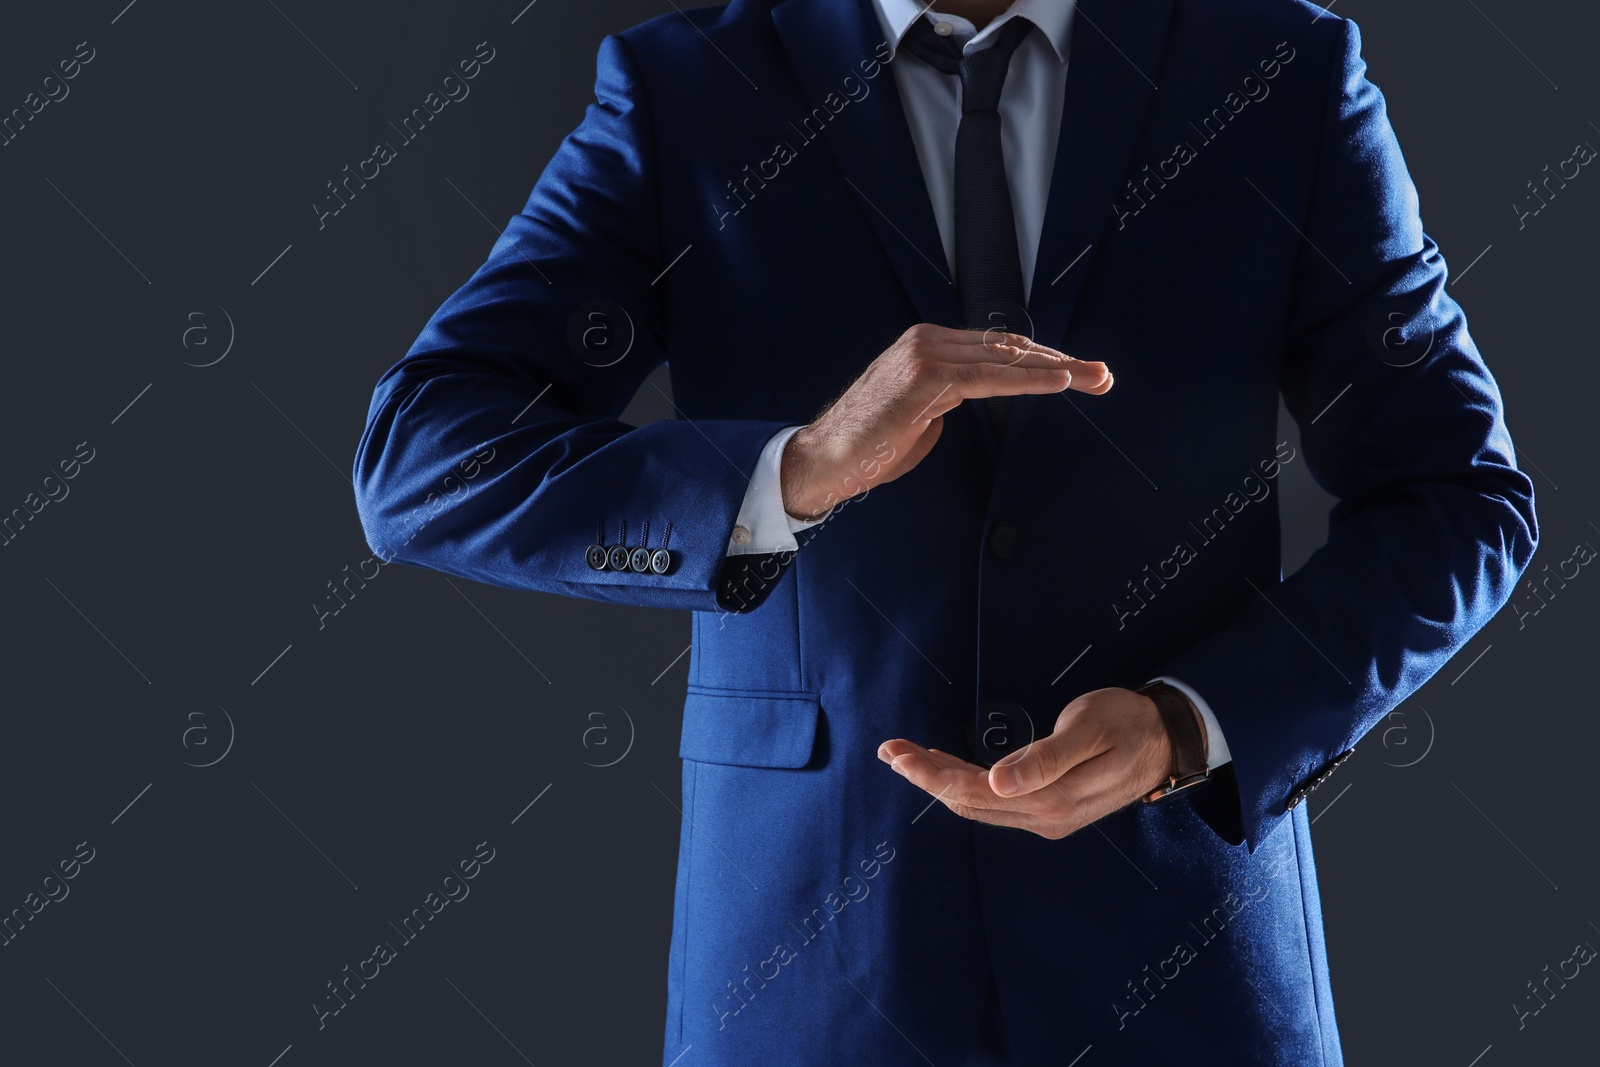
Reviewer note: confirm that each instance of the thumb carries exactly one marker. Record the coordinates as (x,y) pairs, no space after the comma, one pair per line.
(1031,768)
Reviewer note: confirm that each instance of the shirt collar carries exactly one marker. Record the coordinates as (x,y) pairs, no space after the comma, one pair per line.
(1052,17)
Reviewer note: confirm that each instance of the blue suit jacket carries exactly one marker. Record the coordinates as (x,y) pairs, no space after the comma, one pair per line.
(744,202)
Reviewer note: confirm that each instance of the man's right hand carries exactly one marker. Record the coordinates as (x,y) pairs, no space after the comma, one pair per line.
(890,417)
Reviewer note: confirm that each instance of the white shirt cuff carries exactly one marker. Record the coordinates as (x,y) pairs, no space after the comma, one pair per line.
(1216,744)
(763,525)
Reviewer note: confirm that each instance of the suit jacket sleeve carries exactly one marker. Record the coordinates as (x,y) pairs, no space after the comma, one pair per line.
(512,367)
(1433,524)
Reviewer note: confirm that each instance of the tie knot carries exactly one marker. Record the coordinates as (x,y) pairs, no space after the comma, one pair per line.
(983,73)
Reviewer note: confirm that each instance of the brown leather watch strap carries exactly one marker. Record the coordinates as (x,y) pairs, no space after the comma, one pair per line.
(1187,731)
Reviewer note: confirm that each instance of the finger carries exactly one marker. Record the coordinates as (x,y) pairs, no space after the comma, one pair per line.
(995,379)
(899,746)
(933,332)
(942,335)
(944,784)
(1013,349)
(1005,339)
(1018,820)
(1028,372)
(1094,382)
(946,759)
(1009,348)
(894,749)
(1037,815)
(991,346)
(968,346)
(1089,376)
(952,780)
(1036,765)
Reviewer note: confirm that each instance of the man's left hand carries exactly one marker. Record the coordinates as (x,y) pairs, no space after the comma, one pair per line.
(1109,748)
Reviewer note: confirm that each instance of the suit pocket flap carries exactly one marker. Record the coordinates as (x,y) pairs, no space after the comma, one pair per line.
(749,729)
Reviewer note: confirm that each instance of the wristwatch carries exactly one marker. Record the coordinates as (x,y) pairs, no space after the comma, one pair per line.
(1187,731)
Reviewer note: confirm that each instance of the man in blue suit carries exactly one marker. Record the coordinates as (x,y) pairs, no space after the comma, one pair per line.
(976,341)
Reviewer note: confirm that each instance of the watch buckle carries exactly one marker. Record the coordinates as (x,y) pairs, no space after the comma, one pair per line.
(1176,785)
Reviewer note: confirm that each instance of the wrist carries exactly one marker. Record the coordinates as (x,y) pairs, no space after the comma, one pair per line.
(1186,733)
(795,472)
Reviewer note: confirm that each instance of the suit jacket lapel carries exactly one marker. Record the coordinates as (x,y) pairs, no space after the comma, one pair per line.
(1115,57)
(870,141)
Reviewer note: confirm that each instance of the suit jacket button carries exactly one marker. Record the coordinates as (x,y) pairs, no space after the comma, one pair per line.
(597,557)
(639,561)
(618,558)
(1003,539)
(660,560)
(1316,779)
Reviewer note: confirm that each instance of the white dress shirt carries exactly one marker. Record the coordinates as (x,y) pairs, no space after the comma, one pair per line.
(1030,115)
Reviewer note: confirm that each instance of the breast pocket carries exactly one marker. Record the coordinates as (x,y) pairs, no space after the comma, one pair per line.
(749,728)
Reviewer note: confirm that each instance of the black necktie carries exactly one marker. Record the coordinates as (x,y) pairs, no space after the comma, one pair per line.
(988,267)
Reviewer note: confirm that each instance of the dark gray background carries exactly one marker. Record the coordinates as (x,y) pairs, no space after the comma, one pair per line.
(173,588)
